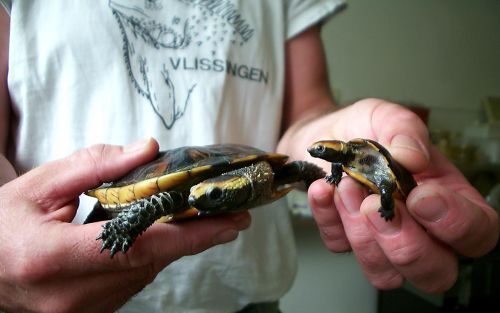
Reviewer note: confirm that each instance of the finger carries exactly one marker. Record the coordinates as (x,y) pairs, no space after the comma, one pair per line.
(320,195)
(398,129)
(377,268)
(160,243)
(404,134)
(425,262)
(189,237)
(470,227)
(58,182)
(65,214)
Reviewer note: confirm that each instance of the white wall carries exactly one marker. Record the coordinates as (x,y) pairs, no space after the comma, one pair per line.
(443,54)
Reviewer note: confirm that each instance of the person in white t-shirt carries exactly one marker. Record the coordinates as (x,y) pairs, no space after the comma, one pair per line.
(80,82)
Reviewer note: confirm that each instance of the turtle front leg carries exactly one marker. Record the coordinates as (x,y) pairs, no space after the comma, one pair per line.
(387,209)
(336,175)
(120,233)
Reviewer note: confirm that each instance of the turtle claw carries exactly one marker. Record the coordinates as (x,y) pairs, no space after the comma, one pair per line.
(120,233)
(113,251)
(336,175)
(387,215)
(332,180)
(118,245)
(115,237)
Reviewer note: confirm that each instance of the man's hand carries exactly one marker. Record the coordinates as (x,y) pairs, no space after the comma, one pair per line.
(48,264)
(443,217)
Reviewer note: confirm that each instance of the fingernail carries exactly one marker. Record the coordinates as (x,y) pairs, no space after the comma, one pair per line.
(225,236)
(430,207)
(381,225)
(136,146)
(407,142)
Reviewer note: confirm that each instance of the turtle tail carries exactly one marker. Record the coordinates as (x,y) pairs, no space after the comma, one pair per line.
(297,171)
(120,233)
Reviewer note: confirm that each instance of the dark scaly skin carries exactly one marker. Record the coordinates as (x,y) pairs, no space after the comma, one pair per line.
(297,171)
(120,233)
(336,175)
(386,209)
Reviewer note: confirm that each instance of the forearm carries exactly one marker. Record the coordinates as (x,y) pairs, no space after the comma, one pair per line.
(312,126)
(308,94)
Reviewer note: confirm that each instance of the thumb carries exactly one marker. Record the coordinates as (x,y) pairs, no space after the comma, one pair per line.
(410,152)
(403,133)
(54,184)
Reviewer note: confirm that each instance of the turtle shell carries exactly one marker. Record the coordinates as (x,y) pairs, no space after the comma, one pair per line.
(369,163)
(179,169)
(394,172)
(158,191)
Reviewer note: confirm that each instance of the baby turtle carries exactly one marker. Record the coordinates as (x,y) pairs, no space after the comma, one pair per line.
(369,163)
(193,181)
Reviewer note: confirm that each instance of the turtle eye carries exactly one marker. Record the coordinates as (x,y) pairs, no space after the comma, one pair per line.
(320,149)
(214,193)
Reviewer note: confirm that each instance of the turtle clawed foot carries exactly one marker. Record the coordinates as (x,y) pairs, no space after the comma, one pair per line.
(113,240)
(387,215)
(331,179)
(120,233)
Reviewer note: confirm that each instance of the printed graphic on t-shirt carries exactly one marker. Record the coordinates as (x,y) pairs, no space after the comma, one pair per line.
(152,29)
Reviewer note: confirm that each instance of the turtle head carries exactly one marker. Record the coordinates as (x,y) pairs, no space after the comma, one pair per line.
(329,150)
(220,194)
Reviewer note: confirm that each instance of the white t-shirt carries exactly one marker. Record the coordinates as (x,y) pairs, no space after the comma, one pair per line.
(186,72)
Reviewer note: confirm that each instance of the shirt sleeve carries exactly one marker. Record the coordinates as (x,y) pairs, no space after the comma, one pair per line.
(7,4)
(302,14)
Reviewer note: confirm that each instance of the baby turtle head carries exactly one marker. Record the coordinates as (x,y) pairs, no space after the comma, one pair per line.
(220,194)
(329,150)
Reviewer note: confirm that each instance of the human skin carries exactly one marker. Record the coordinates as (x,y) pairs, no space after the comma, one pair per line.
(48,264)
(442,218)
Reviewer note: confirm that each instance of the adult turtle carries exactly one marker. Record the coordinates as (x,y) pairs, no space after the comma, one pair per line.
(371,164)
(193,181)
